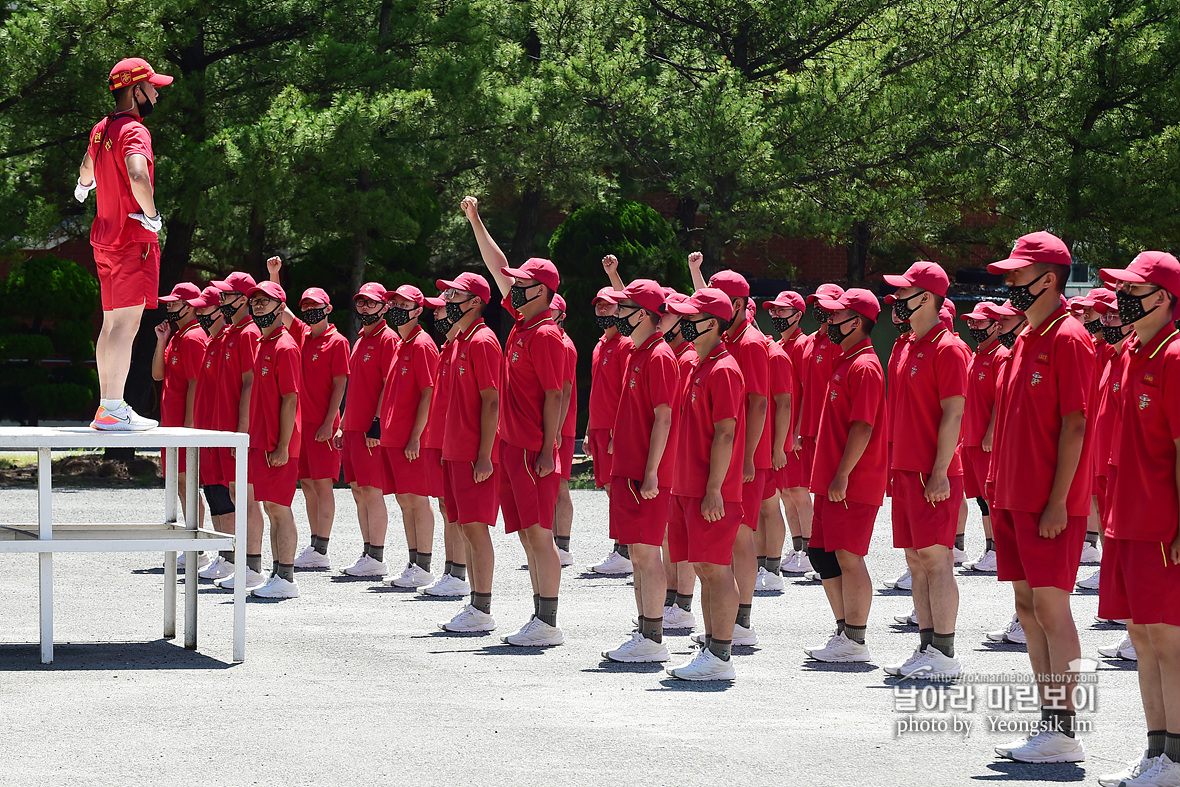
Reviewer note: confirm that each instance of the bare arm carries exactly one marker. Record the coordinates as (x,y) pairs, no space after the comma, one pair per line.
(720,455)
(141,183)
(1175,550)
(190,396)
(566,389)
(694,267)
(549,426)
(339,383)
(414,446)
(493,257)
(282,453)
(782,429)
(756,405)
(660,429)
(489,417)
(859,433)
(610,264)
(244,403)
(86,170)
(1069,453)
(162,331)
(938,486)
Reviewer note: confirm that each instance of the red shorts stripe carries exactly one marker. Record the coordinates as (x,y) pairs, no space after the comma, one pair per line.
(1021,553)
(635,520)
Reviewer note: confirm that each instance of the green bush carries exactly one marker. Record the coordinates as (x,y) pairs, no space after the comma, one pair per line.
(58,400)
(74,339)
(48,287)
(25,347)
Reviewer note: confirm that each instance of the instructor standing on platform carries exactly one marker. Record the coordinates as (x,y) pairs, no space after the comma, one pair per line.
(120,162)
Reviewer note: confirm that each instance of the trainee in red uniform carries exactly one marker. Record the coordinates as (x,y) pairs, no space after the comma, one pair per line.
(476,365)
(820,357)
(750,348)
(900,345)
(276,374)
(569,427)
(239,346)
(794,474)
(977,416)
(204,410)
(372,356)
(436,424)
(782,381)
(1107,397)
(183,356)
(415,364)
(322,358)
(608,364)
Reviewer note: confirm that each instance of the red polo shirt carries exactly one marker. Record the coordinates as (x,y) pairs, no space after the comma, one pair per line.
(981,394)
(276,374)
(440,398)
(239,347)
(608,365)
(183,356)
(796,349)
(415,363)
(856,392)
(933,367)
(820,357)
(782,381)
(477,364)
(372,355)
(1145,506)
(534,363)
(653,379)
(687,360)
(570,374)
(1048,377)
(715,391)
(323,357)
(750,347)
(1109,383)
(205,406)
(112,140)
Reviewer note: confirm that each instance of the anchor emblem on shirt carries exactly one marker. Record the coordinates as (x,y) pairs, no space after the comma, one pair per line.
(515,356)
(1115,386)
(819,359)
(632,382)
(832,396)
(913,370)
(366,357)
(405,369)
(315,356)
(982,375)
(1144,401)
(265,369)
(1036,378)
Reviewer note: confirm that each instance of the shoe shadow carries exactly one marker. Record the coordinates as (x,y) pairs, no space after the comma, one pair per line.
(394,589)
(812,665)
(428,597)
(1084,592)
(892,592)
(319,570)
(445,635)
(608,667)
(156,570)
(766,593)
(347,578)
(968,572)
(1010,770)
(512,650)
(900,628)
(1118,665)
(1001,647)
(693,686)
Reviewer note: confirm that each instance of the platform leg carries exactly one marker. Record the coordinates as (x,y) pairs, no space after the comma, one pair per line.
(191,566)
(240,556)
(45,533)
(170,483)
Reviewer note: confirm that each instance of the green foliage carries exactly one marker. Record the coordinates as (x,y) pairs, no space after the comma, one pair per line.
(25,347)
(42,287)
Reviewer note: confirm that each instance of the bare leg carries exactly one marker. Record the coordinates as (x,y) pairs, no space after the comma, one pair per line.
(857,588)
(283,533)
(112,351)
(649,580)
(745,564)
(719,587)
(543,553)
(563,515)
(481,557)
(325,508)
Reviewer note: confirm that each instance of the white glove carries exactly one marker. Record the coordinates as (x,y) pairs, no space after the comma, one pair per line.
(81,191)
(150,223)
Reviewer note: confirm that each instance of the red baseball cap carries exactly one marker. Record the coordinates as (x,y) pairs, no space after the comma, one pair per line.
(788,299)
(1032,248)
(1149,267)
(184,291)
(671,296)
(924,275)
(558,303)
(858,299)
(707,300)
(947,314)
(235,282)
(537,269)
(407,291)
(315,294)
(135,69)
(434,303)
(468,282)
(210,296)
(984,310)
(270,289)
(829,292)
(608,294)
(646,293)
(1108,302)
(731,283)
(372,290)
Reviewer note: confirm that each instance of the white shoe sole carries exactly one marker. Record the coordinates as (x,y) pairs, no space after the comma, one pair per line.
(851,659)
(1069,756)
(648,659)
(476,630)
(545,643)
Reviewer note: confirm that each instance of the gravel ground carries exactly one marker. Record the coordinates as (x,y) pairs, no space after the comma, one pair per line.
(353,683)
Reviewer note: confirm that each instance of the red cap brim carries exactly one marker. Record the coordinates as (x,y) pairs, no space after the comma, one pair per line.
(1010,264)
(897,281)
(830,306)
(1121,275)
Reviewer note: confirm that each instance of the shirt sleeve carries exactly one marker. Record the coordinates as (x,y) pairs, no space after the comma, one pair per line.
(339,360)
(191,357)
(866,388)
(1073,361)
(663,379)
(288,370)
(549,360)
(950,370)
(1171,389)
(726,393)
(247,348)
(425,363)
(134,138)
(755,363)
(486,362)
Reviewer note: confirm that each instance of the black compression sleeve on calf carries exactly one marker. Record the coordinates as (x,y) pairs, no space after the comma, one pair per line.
(217,496)
(983,509)
(824,562)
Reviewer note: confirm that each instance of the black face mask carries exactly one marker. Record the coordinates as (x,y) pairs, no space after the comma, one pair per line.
(369,319)
(1113,333)
(1009,339)
(206,321)
(903,327)
(264,321)
(145,107)
(902,309)
(981,335)
(230,310)
(398,315)
(314,316)
(605,321)
(835,335)
(1022,298)
(672,333)
(518,295)
(1131,308)
(689,329)
(455,311)
(623,324)
(443,325)
(784,325)
(1093,327)
(818,314)
(174,317)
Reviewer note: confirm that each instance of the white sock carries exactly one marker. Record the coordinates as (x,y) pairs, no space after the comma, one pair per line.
(111,404)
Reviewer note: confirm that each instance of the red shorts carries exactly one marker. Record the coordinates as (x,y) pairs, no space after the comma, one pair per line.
(466,501)
(129,275)
(210,470)
(634,520)
(598,439)
(794,473)
(976,463)
(181,461)
(565,456)
(1021,553)
(807,458)
(272,484)
(691,538)
(761,488)
(1100,487)
(1138,583)
(525,499)
(843,525)
(316,459)
(364,466)
(918,523)
(413,478)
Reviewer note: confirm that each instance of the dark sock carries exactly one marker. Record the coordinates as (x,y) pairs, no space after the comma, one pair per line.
(797,543)
(365,551)
(623,550)
(1172,747)
(1092,540)
(806,541)
(377,552)
(652,628)
(989,545)
(855,633)
(319,544)
(670,597)
(840,625)
(684,602)
(960,541)
(254,563)
(447,567)
(1062,721)
(925,637)
(423,560)
(413,556)
(1155,743)
(944,643)
(774,565)
(274,567)
(459,571)
(708,639)
(536,604)
(721,648)
(227,556)
(743,616)
(547,610)
(563,542)
(482,601)
(286,571)
(762,561)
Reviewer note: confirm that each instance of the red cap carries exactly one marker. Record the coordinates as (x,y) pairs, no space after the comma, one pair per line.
(434,303)
(608,294)
(135,69)
(537,269)
(210,296)
(707,300)
(1150,267)
(315,294)
(946,314)
(407,291)
(372,290)
(731,283)
(468,282)
(184,291)
(1006,309)
(1107,302)
(671,296)
(235,282)
(788,299)
(984,310)
(270,289)
(1031,248)
(858,299)
(924,275)
(647,294)
(558,303)
(829,292)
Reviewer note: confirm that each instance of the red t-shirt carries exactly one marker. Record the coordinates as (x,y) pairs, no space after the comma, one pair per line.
(1048,377)
(570,427)
(205,404)
(372,355)
(981,394)
(477,364)
(608,365)
(239,347)
(1145,505)
(1109,383)
(687,360)
(653,379)
(820,357)
(276,374)
(112,140)
(856,392)
(323,358)
(534,363)
(715,391)
(933,367)
(415,364)
(782,381)
(750,347)
(900,345)
(440,398)
(183,356)
(796,349)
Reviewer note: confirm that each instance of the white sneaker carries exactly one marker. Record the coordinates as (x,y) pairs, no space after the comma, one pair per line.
(565,557)
(758,579)
(277,587)
(1049,746)
(840,649)
(638,649)
(1124,649)
(960,555)
(219,568)
(468,620)
(254,579)
(905,666)
(908,620)
(1091,554)
(986,563)
(1013,633)
(770,583)
(1091,582)
(1162,773)
(813,576)
(366,566)
(1128,774)
(310,558)
(614,565)
(447,586)
(798,563)
(704,666)
(1006,749)
(121,419)
(677,618)
(203,561)
(413,577)
(536,634)
(744,636)
(936,666)
(904,582)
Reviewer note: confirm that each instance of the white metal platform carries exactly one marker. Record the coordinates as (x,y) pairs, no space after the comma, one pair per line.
(170,536)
